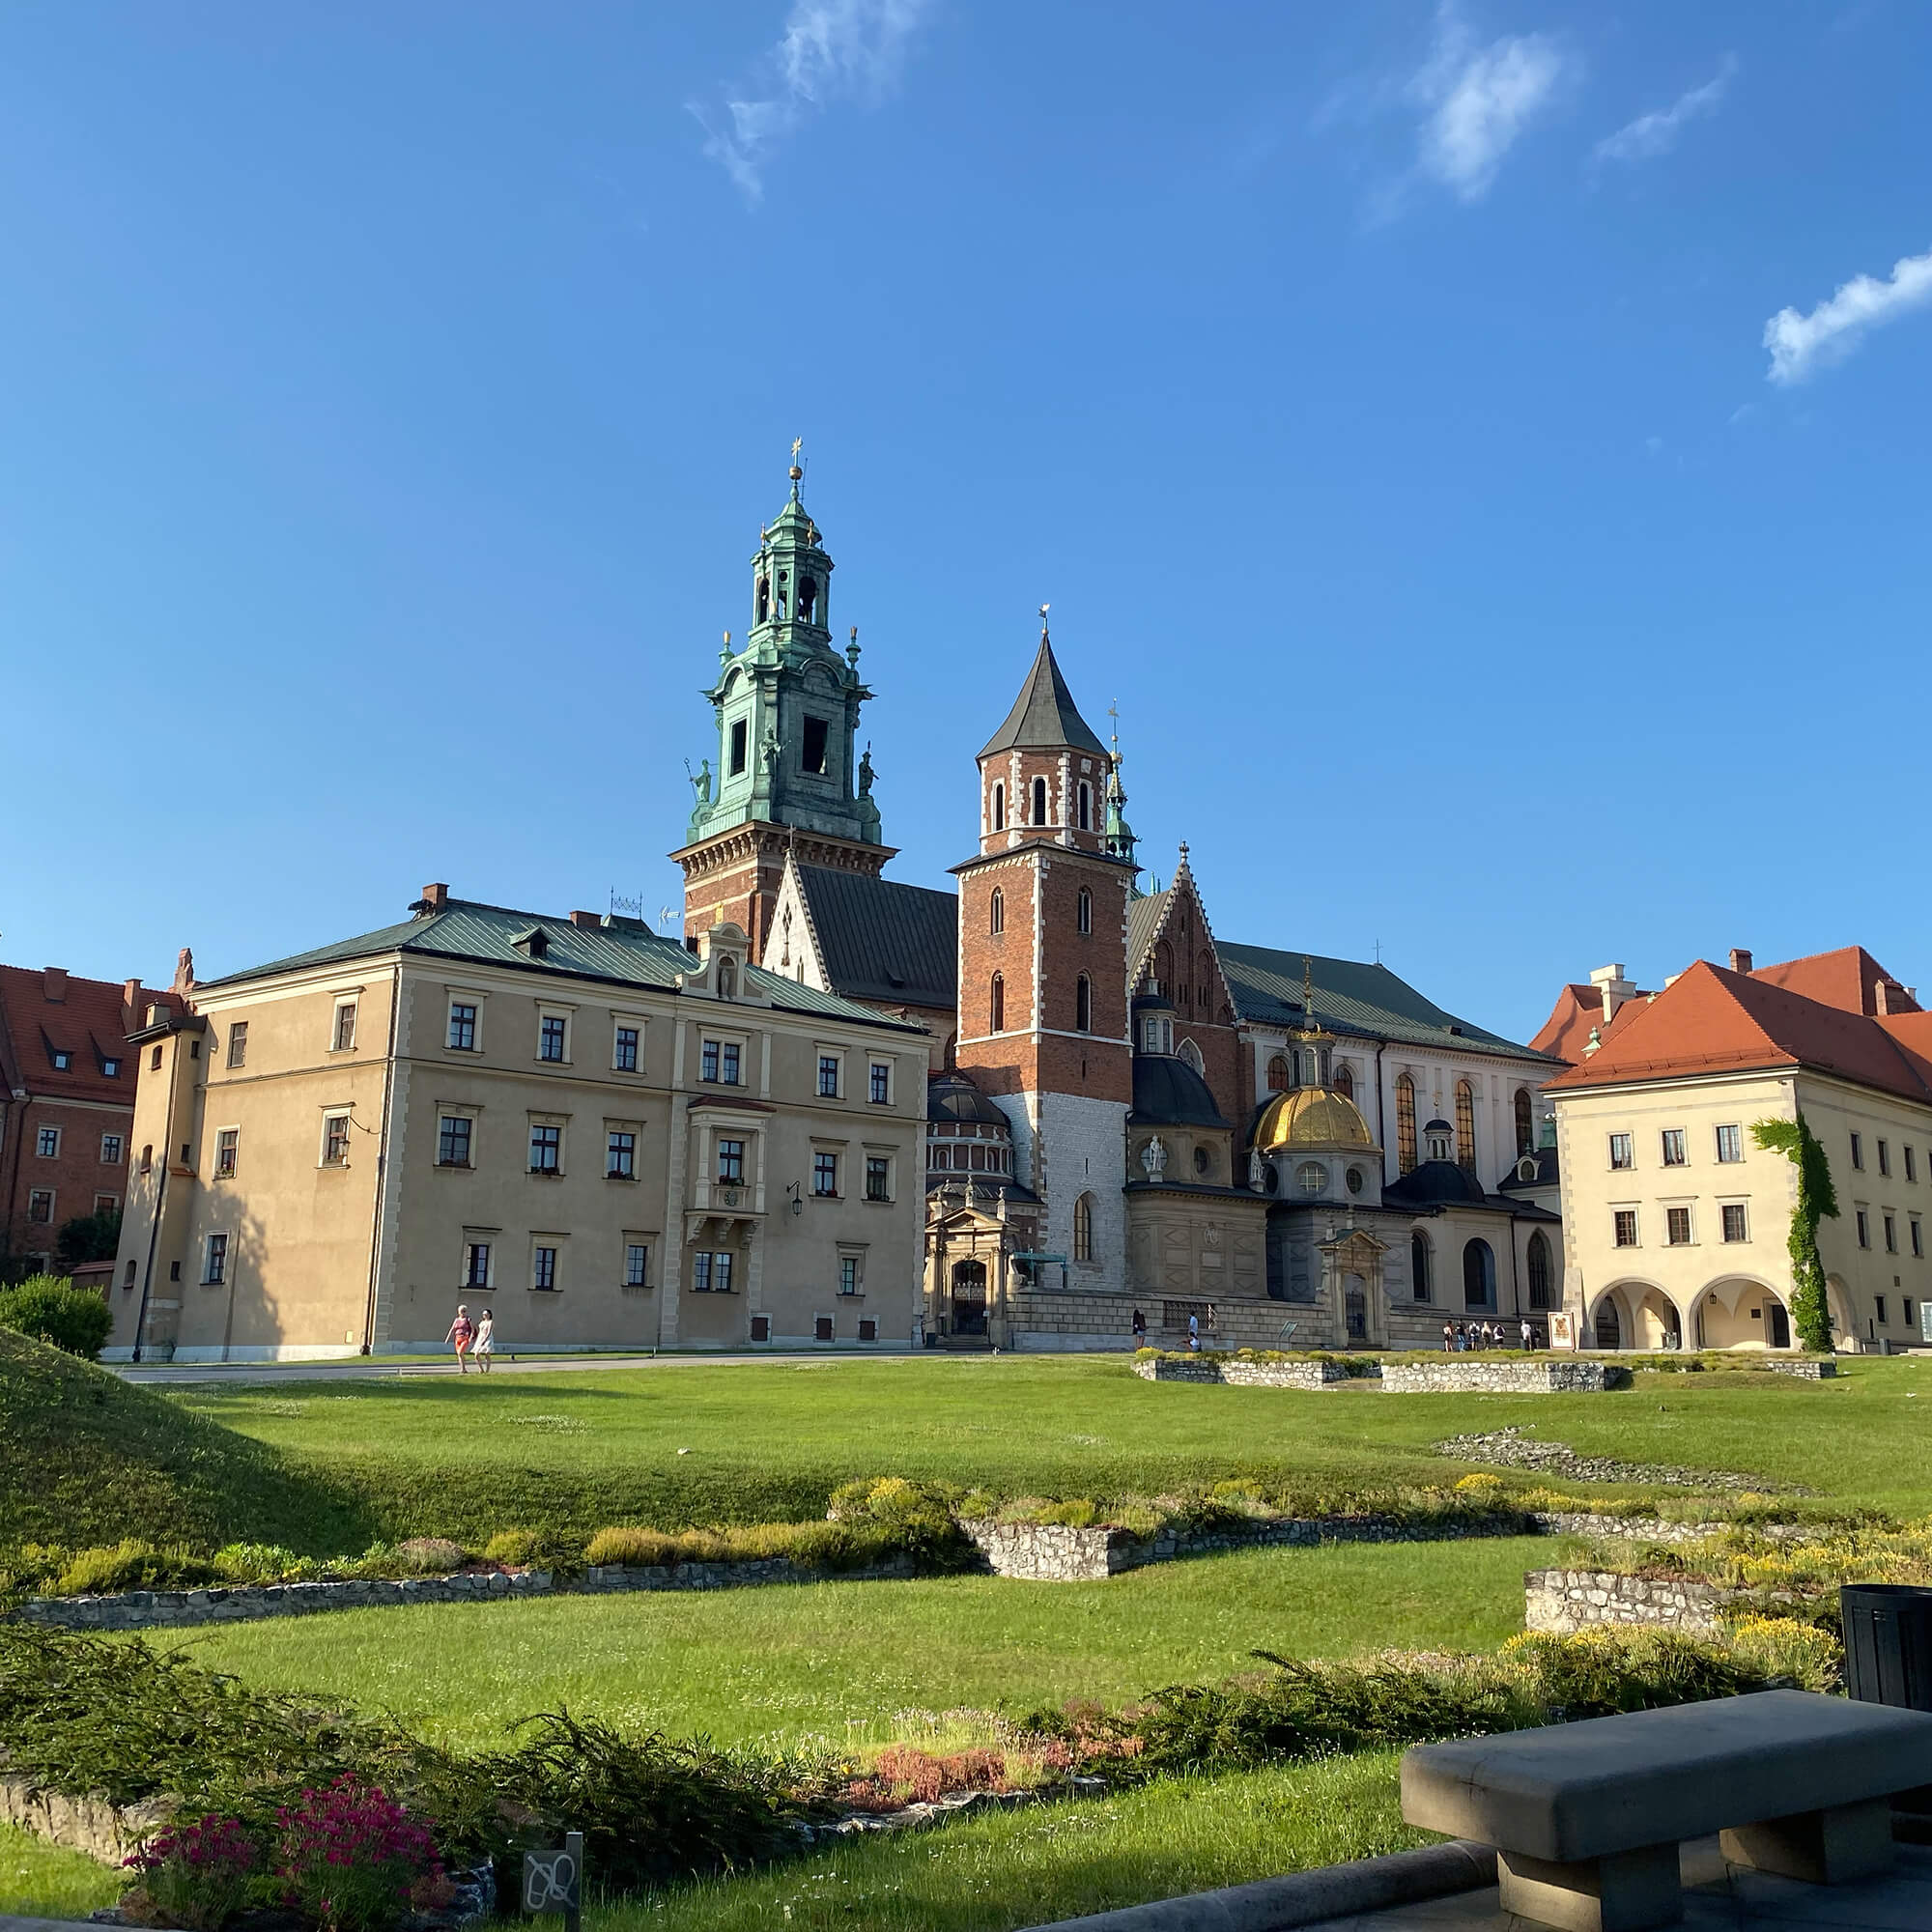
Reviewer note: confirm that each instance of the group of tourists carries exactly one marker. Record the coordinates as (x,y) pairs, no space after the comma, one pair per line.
(1459,1337)
(471,1338)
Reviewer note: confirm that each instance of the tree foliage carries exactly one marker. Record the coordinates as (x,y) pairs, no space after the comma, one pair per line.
(1817,1201)
(89,1237)
(51,1309)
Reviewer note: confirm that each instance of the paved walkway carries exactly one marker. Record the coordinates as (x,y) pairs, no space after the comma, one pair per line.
(380,1368)
(1717,1899)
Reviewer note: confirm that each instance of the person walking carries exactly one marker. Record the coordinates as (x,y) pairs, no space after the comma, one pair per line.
(1462,1339)
(1448,1337)
(486,1341)
(1140,1327)
(1528,1334)
(1194,1333)
(460,1332)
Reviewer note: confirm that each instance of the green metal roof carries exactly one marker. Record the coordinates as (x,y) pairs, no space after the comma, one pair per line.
(620,951)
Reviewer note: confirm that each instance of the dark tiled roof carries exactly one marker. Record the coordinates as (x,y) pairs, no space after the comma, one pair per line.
(952,1097)
(1350,997)
(1044,714)
(1168,1093)
(620,951)
(1435,1183)
(880,940)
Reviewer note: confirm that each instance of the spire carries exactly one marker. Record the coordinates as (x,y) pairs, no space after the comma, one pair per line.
(1119,834)
(1044,715)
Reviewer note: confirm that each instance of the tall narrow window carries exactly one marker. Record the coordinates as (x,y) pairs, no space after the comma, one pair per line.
(1279,1080)
(624,1050)
(226,1143)
(238,1045)
(1418,1266)
(1083,1229)
(344,1037)
(1345,1083)
(549,1041)
(999,808)
(1083,1005)
(1540,1281)
(811,753)
(462,1026)
(740,732)
(1466,1125)
(1086,805)
(1525,1123)
(1039,801)
(1404,1123)
(1084,910)
(216,1271)
(996,916)
(546,1149)
(999,1004)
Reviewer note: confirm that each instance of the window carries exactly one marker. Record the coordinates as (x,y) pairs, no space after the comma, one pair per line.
(129,1282)
(878,1178)
(1677,1226)
(1526,1121)
(730,1162)
(1083,1005)
(637,1265)
(1419,1266)
(106,1203)
(821,1327)
(1541,1281)
(550,1040)
(717,1061)
(825,1174)
(869,1328)
(828,1076)
(110,1149)
(1878,1309)
(148,1158)
(1039,801)
(40,1205)
(848,1274)
(1405,1115)
(624,1054)
(62,1060)
(463,1026)
(342,1038)
(1917,1239)
(1083,1229)
(996,915)
(811,753)
(215,1270)
(1673,1147)
(1466,1125)
(1344,1082)
(111,1069)
(1083,911)
(543,1268)
(739,730)
(621,1157)
(1735,1227)
(1620,1151)
(1859,1150)
(452,1141)
(46,1143)
(1280,1080)
(1864,1229)
(335,1140)
(1884,1158)
(1910,1165)
(1085,819)
(999,808)
(1624,1220)
(226,1144)
(881,1089)
(476,1265)
(1730,1145)
(1890,1235)
(155,1060)
(546,1149)
(711,1273)
(1908,1311)
(1479,1275)
(997,1004)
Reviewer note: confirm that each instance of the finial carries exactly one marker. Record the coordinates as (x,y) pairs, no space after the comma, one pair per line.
(727,641)
(1307,990)
(1044,609)
(797,471)
(852,647)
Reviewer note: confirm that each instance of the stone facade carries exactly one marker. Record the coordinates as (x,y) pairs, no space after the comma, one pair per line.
(1565,1600)
(1246,1375)
(1522,1376)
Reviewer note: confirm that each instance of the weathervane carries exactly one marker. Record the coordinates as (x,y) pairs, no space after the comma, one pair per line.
(1044,609)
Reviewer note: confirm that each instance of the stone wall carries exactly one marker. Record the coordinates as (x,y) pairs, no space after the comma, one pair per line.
(1807,1368)
(1245,1374)
(1522,1375)
(1571,1600)
(109,1833)
(750,1573)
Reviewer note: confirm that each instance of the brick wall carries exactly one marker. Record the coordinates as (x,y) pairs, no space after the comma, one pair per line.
(75,1176)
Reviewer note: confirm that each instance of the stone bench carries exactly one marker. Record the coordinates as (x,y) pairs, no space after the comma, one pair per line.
(1587,1818)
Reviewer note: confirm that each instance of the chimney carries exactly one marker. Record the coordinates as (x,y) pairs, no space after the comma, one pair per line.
(436,898)
(130,993)
(53,983)
(595,919)
(1740,959)
(1889,997)
(1614,988)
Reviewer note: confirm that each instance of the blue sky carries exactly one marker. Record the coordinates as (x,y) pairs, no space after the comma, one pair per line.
(1481,451)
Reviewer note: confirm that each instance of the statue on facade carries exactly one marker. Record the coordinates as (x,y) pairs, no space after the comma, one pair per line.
(1153,1158)
(700,780)
(866,773)
(1257,1171)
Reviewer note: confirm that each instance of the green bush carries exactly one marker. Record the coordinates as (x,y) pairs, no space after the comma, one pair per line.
(131,1566)
(89,1237)
(51,1309)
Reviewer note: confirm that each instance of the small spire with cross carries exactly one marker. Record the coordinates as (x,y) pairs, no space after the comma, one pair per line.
(797,466)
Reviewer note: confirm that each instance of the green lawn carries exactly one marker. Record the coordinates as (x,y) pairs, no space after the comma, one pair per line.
(42,1881)
(589,1448)
(846,1660)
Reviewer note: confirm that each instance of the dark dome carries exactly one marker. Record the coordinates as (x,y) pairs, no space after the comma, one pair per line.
(1438,1125)
(1168,1093)
(1435,1183)
(952,1097)
(1152,1002)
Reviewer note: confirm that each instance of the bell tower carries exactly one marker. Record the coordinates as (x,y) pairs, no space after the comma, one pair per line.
(1044,1025)
(786,707)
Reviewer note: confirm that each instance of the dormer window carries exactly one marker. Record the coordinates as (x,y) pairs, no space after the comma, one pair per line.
(62,1061)
(111,1069)
(534,943)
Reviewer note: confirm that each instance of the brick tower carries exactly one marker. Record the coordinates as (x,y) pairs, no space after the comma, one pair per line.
(1043,968)
(786,709)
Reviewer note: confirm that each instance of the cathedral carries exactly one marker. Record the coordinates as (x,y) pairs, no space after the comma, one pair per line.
(1131,1122)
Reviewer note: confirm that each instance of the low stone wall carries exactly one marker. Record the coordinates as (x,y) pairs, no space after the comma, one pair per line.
(1637,1529)
(153,1609)
(1245,1374)
(1806,1369)
(751,1574)
(1523,1375)
(1571,1600)
(1053,1553)
(109,1833)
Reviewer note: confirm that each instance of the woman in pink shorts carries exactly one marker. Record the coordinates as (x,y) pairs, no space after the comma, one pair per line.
(460,1333)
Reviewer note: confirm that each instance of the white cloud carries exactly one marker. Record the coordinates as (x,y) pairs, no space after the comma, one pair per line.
(1800,343)
(829,50)
(1480,100)
(1656,134)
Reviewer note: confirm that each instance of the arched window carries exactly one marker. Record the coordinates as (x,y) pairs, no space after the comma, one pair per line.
(1191,1053)
(1539,1271)
(1086,805)
(1479,1275)
(808,598)
(1083,1229)
(999,808)
(1083,1005)
(764,598)
(1278,1076)
(1039,801)
(1084,914)
(1345,1083)
(1466,1125)
(1418,1264)
(999,1004)
(1610,1331)
(1525,1128)
(148,1158)
(996,916)
(1404,1123)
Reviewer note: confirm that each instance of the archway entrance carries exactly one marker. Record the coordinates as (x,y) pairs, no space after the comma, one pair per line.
(969,1298)
(1609,1327)
(1741,1315)
(1658,1324)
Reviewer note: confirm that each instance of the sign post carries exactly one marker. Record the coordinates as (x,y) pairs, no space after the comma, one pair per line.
(553,1881)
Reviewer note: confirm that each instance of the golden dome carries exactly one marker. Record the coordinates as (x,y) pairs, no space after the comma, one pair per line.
(1311,1117)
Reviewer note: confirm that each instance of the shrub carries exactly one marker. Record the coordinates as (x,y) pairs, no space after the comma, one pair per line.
(197,1875)
(1783,1647)
(430,1556)
(632,1549)
(131,1566)
(51,1309)
(263,1563)
(89,1237)
(354,1859)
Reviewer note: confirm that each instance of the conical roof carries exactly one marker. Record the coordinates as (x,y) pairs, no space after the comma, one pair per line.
(1044,714)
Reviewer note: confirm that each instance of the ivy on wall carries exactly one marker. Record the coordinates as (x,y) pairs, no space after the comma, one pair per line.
(1817,1201)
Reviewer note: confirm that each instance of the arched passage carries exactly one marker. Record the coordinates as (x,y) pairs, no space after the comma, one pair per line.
(1740,1313)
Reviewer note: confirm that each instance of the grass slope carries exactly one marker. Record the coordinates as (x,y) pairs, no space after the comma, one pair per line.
(846,1661)
(85,1457)
(42,1881)
(582,1450)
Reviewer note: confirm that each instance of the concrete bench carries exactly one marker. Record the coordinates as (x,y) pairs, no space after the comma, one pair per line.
(1587,1818)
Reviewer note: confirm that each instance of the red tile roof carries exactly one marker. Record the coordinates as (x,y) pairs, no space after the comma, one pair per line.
(1579,1008)
(1848,979)
(89,1023)
(1710,1020)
